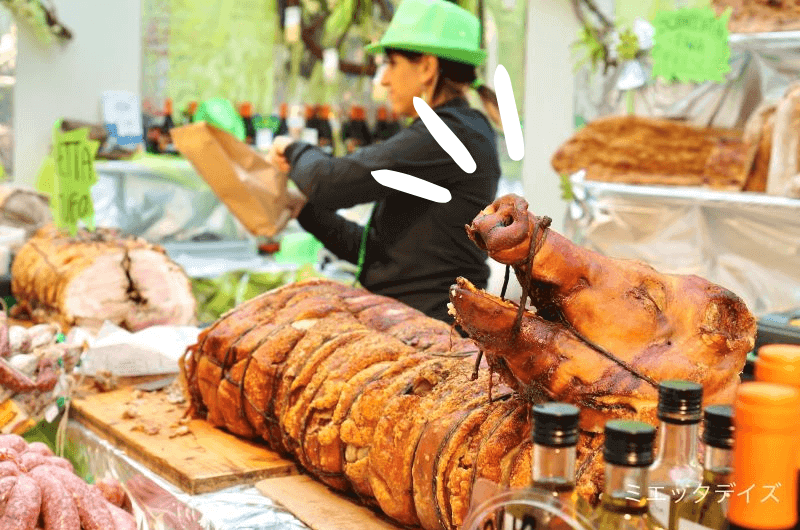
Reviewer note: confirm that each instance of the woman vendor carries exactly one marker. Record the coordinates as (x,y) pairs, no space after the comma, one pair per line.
(412,249)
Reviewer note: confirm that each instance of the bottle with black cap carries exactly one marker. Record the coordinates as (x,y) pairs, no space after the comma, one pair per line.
(708,506)
(555,438)
(628,453)
(676,472)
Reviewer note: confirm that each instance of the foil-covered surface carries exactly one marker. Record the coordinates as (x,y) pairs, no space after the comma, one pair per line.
(159,505)
(746,242)
(762,67)
(161,201)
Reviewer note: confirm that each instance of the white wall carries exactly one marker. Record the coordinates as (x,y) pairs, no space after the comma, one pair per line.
(549,88)
(67,80)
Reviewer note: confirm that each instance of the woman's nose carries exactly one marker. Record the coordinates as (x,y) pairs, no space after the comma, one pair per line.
(385,77)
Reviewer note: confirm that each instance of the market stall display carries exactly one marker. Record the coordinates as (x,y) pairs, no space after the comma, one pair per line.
(760,16)
(40,490)
(373,397)
(98,276)
(640,150)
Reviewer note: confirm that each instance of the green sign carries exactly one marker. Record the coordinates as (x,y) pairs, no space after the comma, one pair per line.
(73,165)
(691,45)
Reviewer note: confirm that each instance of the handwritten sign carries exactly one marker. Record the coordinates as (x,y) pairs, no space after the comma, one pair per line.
(691,45)
(71,199)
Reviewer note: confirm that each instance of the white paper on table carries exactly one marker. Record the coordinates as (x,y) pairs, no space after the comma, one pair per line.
(151,351)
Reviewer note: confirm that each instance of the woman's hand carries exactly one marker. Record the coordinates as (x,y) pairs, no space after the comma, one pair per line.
(295,201)
(277,153)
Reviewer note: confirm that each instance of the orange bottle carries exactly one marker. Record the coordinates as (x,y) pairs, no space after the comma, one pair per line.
(765,457)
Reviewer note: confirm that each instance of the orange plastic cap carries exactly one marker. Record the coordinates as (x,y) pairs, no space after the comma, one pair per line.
(168,106)
(382,113)
(779,363)
(768,406)
(311,110)
(192,107)
(324,112)
(284,111)
(765,456)
(246,109)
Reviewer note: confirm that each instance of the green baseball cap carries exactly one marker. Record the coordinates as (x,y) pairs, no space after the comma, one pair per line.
(434,27)
(221,113)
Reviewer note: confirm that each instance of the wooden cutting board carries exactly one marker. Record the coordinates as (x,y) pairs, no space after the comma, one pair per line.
(319,507)
(206,459)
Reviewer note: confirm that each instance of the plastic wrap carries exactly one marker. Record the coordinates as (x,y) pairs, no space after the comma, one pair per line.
(161,201)
(158,505)
(762,67)
(748,243)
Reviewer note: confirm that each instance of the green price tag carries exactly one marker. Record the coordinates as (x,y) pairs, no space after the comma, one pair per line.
(71,199)
(691,45)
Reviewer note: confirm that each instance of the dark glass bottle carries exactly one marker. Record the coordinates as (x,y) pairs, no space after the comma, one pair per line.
(246,112)
(325,136)
(283,126)
(165,139)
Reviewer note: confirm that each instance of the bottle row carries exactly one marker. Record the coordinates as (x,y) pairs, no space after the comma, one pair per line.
(654,478)
(313,123)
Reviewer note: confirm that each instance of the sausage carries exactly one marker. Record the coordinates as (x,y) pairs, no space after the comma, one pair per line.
(92,506)
(63,463)
(58,508)
(112,491)
(9,468)
(22,508)
(13,379)
(5,345)
(122,519)
(13,441)
(48,376)
(31,460)
(6,485)
(41,448)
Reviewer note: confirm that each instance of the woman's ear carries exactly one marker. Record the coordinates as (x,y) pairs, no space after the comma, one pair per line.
(429,69)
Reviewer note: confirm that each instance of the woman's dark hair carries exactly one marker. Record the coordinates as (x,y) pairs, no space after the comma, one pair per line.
(452,77)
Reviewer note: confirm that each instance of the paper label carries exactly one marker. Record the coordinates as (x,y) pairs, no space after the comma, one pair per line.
(310,135)
(691,44)
(684,524)
(330,64)
(71,202)
(122,116)
(291,23)
(51,413)
(659,509)
(263,139)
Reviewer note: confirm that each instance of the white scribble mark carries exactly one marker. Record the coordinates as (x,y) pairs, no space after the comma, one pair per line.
(508,113)
(445,137)
(412,185)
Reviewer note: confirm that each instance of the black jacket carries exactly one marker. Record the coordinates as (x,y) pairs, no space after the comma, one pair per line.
(415,248)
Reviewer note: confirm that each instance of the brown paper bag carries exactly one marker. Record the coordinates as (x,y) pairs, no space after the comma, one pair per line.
(252,188)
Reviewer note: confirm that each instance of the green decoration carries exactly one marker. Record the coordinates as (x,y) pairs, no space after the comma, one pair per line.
(39,18)
(221,113)
(691,45)
(68,176)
